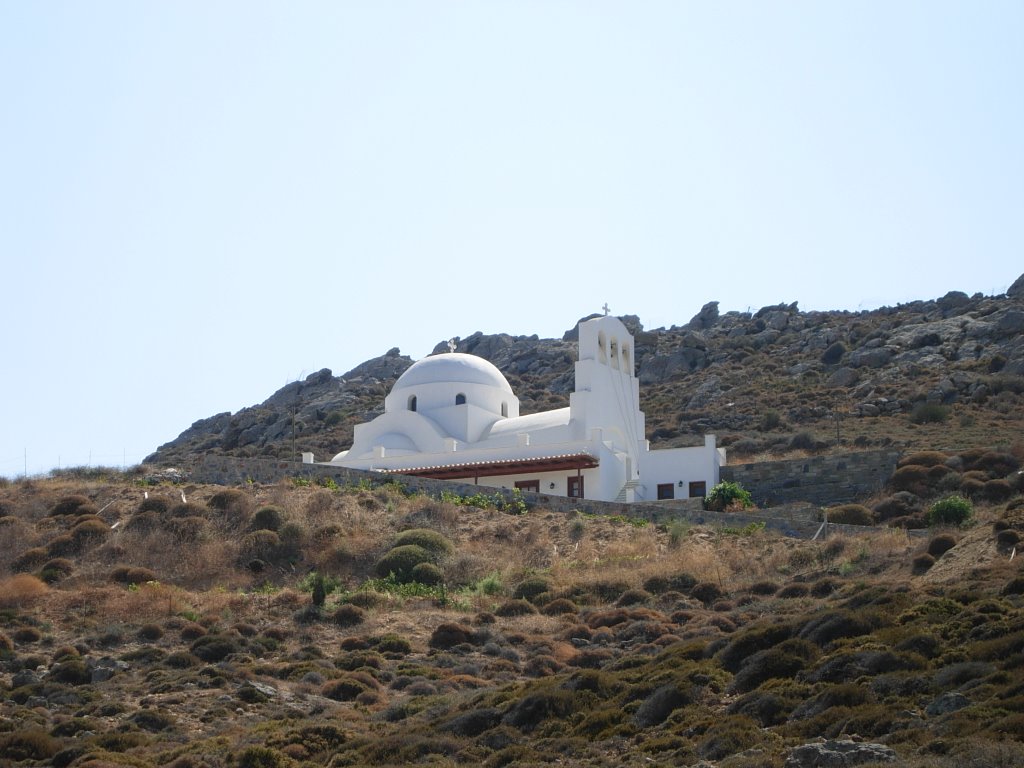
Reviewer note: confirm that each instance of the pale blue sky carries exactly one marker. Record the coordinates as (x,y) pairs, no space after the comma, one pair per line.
(202,201)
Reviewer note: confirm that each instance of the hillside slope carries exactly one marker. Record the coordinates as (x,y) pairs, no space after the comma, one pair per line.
(766,382)
(156,625)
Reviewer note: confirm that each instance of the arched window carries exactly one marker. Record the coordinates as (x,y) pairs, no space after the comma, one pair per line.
(614,353)
(504,410)
(602,349)
(460,399)
(412,402)
(627,363)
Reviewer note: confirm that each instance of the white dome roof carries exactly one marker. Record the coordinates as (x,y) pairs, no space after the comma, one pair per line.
(454,368)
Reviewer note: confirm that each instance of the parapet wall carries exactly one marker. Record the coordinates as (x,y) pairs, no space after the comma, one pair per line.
(790,519)
(819,480)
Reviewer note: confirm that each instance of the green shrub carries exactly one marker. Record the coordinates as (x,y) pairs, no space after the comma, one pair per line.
(929,413)
(742,645)
(29,560)
(229,497)
(154,504)
(360,659)
(939,545)
(348,615)
(212,648)
(729,736)
(69,505)
(346,688)
(924,459)
(836,624)
(530,588)
(427,573)
(262,544)
(763,588)
(921,564)
(432,541)
(71,672)
(728,495)
(1014,586)
(31,744)
(559,606)
(633,597)
(997,491)
(88,532)
(62,545)
(269,518)
(392,644)
(850,514)
(912,478)
(952,510)
(24,635)
(656,708)
(515,608)
(401,560)
(764,665)
(793,591)
(448,634)
(126,574)
(152,720)
(804,441)
(56,569)
(261,757)
(706,592)
(150,632)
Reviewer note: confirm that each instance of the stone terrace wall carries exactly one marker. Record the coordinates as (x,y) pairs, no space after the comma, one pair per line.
(820,480)
(796,520)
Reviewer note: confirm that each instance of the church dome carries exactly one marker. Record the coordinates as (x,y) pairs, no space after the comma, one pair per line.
(452,368)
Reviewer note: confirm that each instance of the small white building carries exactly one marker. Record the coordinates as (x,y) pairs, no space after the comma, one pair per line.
(454,416)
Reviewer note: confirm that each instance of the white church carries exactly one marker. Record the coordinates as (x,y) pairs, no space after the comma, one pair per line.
(454,416)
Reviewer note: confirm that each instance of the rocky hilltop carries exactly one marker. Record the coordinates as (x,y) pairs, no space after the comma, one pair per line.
(944,373)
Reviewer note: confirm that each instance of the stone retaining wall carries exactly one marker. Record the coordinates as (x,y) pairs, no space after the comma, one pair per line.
(798,520)
(818,480)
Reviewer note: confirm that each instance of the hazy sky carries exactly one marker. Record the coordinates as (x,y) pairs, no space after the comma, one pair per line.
(202,201)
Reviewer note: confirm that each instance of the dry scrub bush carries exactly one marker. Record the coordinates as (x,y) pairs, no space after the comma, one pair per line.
(21,590)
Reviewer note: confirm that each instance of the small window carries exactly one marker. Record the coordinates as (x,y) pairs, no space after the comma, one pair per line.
(627,363)
(614,353)
(698,489)
(412,402)
(504,410)
(575,486)
(528,485)
(460,399)
(666,491)
(602,348)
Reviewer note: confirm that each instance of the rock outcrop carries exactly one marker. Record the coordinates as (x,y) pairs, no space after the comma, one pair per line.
(719,372)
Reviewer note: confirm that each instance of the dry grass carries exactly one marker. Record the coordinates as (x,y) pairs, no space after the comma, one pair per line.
(21,591)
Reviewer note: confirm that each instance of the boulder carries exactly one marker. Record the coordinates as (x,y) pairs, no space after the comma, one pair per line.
(870,358)
(1010,322)
(707,392)
(844,377)
(836,753)
(951,701)
(953,300)
(708,316)
(1016,291)
(659,368)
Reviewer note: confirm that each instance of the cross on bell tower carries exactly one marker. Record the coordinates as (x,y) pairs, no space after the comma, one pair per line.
(606,309)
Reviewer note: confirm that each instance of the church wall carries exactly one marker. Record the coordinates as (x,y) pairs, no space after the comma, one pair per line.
(672,465)
(560,481)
